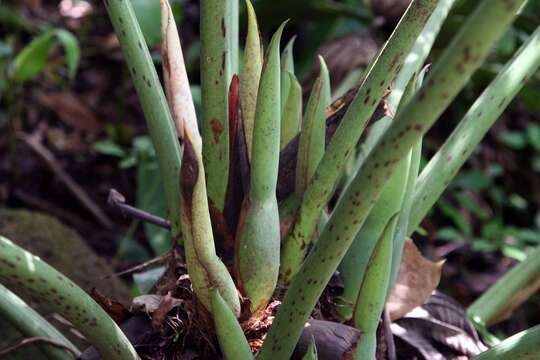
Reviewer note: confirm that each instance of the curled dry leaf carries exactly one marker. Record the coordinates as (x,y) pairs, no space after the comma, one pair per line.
(116,310)
(417,279)
(174,73)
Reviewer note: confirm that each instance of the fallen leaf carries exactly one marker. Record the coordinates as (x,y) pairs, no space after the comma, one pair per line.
(417,279)
(438,329)
(344,54)
(71,110)
(116,310)
(166,304)
(146,303)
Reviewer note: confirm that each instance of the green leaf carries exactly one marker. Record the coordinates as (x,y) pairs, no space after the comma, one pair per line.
(232,341)
(291,116)
(514,139)
(108,147)
(250,75)
(474,180)
(146,279)
(148,15)
(33,58)
(533,136)
(311,352)
(72,50)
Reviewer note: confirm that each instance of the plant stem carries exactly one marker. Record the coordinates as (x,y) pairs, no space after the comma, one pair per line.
(258,236)
(375,84)
(508,292)
(487,109)
(29,273)
(250,75)
(153,102)
(31,324)
(372,294)
(205,268)
(521,346)
(462,57)
(215,77)
(232,341)
(291,116)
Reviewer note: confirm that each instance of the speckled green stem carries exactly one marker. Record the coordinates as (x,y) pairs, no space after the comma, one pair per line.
(521,346)
(354,265)
(312,136)
(205,268)
(310,153)
(232,341)
(215,77)
(153,102)
(461,58)
(250,76)
(44,284)
(372,295)
(30,324)
(258,236)
(485,111)
(375,84)
(419,52)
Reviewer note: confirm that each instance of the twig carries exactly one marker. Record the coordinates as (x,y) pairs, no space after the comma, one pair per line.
(390,345)
(52,209)
(35,339)
(34,142)
(117,201)
(139,267)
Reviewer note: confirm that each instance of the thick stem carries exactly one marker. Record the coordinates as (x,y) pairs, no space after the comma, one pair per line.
(461,58)
(31,324)
(522,346)
(232,341)
(508,292)
(485,111)
(215,77)
(251,75)
(373,88)
(43,283)
(153,103)
(258,236)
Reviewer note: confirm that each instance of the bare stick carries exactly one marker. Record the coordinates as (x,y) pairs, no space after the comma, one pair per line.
(33,340)
(34,142)
(117,201)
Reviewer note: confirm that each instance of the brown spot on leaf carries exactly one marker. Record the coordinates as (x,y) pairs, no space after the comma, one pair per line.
(217,129)
(189,172)
(223,28)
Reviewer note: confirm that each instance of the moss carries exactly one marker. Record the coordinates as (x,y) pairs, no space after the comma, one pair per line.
(62,248)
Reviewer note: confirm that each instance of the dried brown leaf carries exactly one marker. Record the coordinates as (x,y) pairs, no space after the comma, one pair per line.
(71,110)
(116,310)
(166,304)
(417,279)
